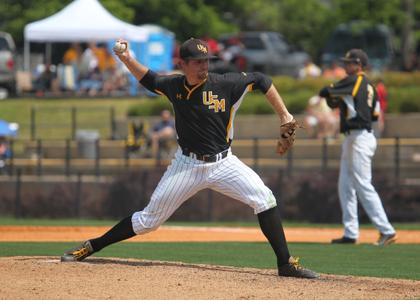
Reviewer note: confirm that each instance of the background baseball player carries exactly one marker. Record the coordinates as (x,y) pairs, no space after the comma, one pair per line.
(205,105)
(357,100)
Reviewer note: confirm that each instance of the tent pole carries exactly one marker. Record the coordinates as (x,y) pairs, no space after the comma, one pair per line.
(26,55)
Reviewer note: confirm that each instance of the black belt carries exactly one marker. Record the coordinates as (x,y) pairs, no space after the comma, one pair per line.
(206,157)
(348,131)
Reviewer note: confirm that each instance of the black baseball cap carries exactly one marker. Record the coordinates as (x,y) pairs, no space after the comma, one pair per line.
(356,56)
(195,49)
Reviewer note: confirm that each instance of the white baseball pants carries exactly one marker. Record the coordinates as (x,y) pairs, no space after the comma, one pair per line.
(186,176)
(355,183)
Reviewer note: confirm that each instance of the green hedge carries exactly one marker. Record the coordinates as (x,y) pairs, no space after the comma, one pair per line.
(403,95)
(149,107)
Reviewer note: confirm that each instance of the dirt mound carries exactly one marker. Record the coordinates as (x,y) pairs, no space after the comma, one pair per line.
(105,278)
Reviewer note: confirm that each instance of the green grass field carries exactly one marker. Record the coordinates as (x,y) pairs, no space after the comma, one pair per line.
(395,261)
(91,222)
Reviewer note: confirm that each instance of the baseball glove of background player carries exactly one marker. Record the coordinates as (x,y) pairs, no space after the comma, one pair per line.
(287,136)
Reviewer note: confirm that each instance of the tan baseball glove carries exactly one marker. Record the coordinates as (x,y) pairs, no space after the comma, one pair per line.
(287,136)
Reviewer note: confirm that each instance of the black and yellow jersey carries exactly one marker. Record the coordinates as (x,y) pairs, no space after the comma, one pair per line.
(357,100)
(204,113)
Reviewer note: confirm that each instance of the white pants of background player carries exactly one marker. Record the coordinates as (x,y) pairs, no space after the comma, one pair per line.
(355,183)
(186,176)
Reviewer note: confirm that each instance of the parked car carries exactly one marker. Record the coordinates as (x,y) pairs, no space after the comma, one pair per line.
(7,62)
(375,40)
(265,51)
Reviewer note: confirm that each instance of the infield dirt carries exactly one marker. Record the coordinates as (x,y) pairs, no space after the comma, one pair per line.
(106,278)
(103,278)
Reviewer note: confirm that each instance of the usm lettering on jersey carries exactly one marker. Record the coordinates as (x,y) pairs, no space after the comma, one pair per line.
(213,102)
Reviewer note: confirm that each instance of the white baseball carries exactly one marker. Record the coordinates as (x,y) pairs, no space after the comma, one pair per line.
(120,47)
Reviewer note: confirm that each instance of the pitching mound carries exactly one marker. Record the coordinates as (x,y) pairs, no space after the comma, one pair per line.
(106,278)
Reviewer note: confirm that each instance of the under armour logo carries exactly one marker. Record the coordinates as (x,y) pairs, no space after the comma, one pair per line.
(178,96)
(202,48)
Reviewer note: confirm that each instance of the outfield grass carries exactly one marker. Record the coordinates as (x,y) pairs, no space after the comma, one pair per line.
(395,261)
(91,222)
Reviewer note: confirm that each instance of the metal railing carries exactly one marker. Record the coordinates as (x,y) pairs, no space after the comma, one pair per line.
(397,155)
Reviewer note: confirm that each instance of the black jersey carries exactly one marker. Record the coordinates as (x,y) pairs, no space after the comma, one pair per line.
(204,113)
(357,102)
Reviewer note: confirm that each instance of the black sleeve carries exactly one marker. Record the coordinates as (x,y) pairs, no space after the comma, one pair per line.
(156,83)
(331,102)
(343,87)
(249,82)
(334,93)
(261,81)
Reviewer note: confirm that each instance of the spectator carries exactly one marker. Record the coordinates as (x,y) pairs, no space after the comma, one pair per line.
(90,77)
(162,132)
(320,120)
(68,72)
(378,127)
(309,70)
(5,154)
(105,58)
(136,138)
(73,55)
(91,83)
(382,95)
(45,81)
(334,72)
(89,61)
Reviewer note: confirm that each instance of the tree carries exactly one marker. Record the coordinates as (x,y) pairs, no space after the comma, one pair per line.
(187,18)
(14,15)
(297,21)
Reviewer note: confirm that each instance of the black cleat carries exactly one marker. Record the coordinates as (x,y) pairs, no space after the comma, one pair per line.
(294,269)
(79,253)
(344,240)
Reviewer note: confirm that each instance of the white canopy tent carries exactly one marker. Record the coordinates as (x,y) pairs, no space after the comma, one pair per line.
(80,21)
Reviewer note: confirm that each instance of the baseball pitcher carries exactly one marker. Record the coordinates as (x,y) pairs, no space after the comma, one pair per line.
(205,105)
